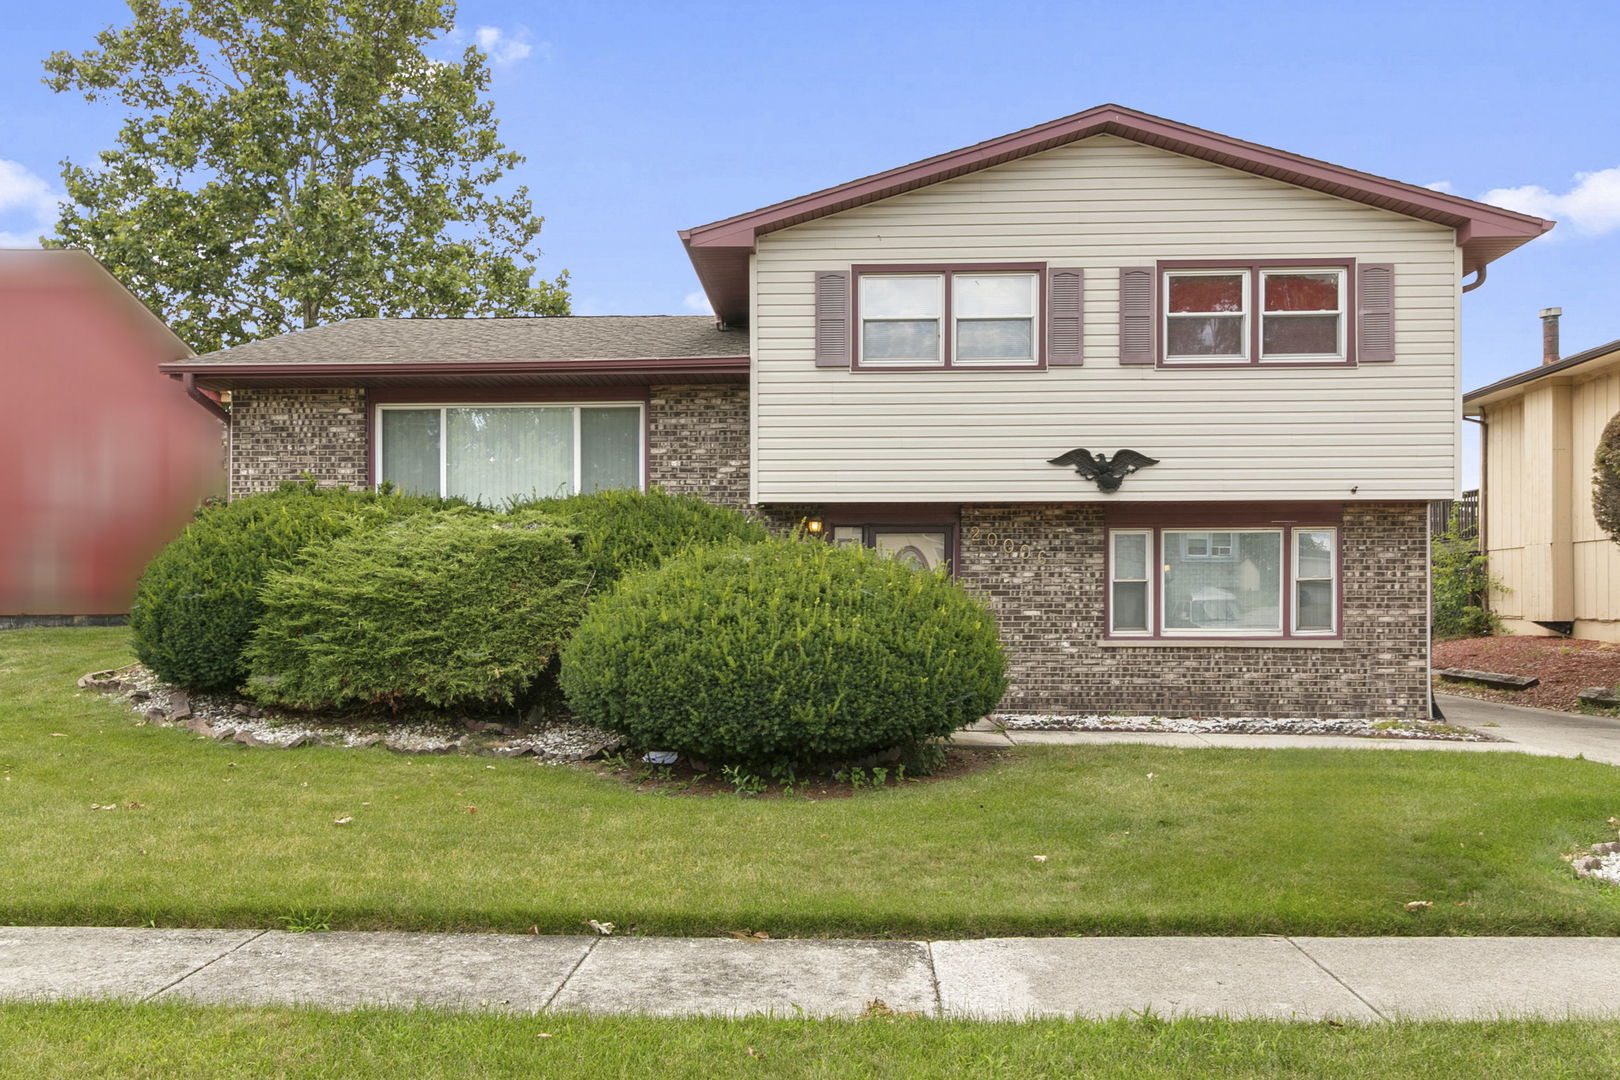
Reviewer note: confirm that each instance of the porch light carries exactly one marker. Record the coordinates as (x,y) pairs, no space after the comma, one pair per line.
(813,526)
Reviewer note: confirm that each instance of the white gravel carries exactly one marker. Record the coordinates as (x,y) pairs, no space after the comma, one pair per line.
(228,718)
(1235,725)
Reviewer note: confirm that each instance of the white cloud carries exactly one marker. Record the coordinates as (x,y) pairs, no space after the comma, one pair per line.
(1442,186)
(1591,206)
(503,48)
(28,206)
(697,303)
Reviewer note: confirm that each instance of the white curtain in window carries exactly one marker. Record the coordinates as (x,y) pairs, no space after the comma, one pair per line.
(410,449)
(610,449)
(495,454)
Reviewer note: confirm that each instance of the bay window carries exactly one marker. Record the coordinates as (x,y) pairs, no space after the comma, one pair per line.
(1227,582)
(932,317)
(494,453)
(1256,313)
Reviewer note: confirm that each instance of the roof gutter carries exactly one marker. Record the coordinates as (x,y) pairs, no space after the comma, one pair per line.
(189,381)
(682,365)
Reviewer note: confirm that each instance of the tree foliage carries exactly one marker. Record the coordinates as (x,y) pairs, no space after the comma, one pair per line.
(1606,480)
(284,163)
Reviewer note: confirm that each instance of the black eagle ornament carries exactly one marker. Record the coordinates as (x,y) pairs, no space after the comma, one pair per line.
(1108,472)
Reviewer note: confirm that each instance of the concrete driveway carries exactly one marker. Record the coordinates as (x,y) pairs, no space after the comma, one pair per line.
(1539,731)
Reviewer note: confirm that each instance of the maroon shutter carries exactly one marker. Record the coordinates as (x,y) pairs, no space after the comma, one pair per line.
(1375,313)
(832,318)
(1065,318)
(1138,313)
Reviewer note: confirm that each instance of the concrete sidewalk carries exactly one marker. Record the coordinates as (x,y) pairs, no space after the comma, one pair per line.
(1010,978)
(1520,730)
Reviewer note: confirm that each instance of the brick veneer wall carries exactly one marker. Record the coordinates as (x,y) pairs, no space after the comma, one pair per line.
(1042,568)
(278,435)
(697,439)
(697,442)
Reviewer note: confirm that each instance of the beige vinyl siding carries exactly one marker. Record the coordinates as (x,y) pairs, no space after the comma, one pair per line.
(1506,524)
(1544,542)
(1379,432)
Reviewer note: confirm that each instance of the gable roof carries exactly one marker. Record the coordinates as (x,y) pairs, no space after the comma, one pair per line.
(571,348)
(1475,400)
(719,251)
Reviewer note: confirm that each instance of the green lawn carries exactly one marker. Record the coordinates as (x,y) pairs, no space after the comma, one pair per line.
(173,1042)
(1215,842)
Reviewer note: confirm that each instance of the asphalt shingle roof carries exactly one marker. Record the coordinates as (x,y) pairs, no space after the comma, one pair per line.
(568,337)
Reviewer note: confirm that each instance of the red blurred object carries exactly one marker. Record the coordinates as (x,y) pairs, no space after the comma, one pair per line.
(105,458)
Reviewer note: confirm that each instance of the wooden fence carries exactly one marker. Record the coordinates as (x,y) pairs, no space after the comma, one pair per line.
(1467,509)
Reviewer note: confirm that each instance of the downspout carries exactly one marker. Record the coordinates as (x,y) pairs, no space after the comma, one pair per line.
(1479,279)
(222,414)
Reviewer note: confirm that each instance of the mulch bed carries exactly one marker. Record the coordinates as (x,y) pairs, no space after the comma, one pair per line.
(1565,667)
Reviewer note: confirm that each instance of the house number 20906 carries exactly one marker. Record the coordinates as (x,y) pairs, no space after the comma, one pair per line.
(1005,545)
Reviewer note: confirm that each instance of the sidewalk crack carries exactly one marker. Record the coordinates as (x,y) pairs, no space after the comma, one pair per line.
(215,960)
(1347,987)
(584,956)
(933,977)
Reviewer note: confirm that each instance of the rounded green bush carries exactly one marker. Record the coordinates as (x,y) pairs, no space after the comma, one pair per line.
(454,608)
(625,531)
(198,600)
(784,655)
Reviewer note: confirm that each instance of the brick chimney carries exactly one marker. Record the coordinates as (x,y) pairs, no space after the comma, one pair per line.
(1549,334)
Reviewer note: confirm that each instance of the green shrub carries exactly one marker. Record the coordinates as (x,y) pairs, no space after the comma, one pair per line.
(625,531)
(1460,580)
(198,601)
(450,609)
(1606,480)
(783,656)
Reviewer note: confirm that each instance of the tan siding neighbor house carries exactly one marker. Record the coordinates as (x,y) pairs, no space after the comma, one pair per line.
(1560,573)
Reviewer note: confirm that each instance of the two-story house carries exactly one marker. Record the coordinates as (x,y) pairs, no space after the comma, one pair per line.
(897,361)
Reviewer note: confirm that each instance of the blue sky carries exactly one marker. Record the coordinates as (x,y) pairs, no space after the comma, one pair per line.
(641,118)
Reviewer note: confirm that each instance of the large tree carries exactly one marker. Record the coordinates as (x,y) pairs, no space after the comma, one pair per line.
(284,163)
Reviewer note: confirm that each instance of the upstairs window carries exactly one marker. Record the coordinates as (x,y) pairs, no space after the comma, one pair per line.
(938,317)
(1302,316)
(1256,314)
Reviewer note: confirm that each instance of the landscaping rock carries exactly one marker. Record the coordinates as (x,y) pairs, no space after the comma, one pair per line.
(179,706)
(1493,679)
(247,738)
(1599,696)
(1235,725)
(239,709)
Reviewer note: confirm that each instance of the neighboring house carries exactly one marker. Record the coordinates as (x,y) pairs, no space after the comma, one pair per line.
(104,461)
(1541,428)
(898,358)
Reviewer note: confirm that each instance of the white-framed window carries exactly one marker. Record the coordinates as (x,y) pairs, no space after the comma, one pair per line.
(1316,581)
(1206,316)
(994,317)
(1276,581)
(1302,316)
(901,320)
(1130,582)
(495,453)
(949,317)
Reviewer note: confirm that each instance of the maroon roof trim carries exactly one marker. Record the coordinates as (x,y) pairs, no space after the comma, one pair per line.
(719,250)
(224,375)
